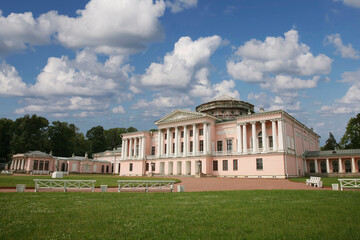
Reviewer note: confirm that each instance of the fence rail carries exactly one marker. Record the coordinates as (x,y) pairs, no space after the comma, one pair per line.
(349,183)
(65,184)
(145,184)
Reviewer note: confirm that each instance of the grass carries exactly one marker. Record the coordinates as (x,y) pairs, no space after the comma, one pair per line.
(276,214)
(327,181)
(101,179)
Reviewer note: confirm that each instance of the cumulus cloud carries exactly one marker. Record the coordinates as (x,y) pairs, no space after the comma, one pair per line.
(276,55)
(269,103)
(11,83)
(181,66)
(351,3)
(345,51)
(179,5)
(283,82)
(118,109)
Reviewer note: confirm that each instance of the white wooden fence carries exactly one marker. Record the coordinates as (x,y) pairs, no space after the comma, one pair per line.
(64,184)
(349,183)
(145,185)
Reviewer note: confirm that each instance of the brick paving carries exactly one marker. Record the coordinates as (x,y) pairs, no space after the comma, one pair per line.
(192,184)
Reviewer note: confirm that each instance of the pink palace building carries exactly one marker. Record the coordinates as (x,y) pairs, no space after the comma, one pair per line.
(223,137)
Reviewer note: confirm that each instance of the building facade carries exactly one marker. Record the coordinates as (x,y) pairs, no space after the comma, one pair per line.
(224,137)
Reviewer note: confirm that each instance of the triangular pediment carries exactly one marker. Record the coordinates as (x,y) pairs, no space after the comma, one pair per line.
(180,115)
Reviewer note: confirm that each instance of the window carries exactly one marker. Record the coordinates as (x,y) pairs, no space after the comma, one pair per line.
(312,167)
(201,145)
(259,164)
(270,141)
(173,134)
(201,132)
(137,150)
(229,145)
(215,165)
(152,150)
(153,167)
(225,165)
(165,135)
(191,133)
(335,166)
(130,167)
(191,146)
(219,146)
(323,166)
(235,164)
(107,169)
(165,148)
(46,165)
(260,140)
(41,165)
(182,134)
(182,146)
(173,148)
(35,165)
(103,168)
(147,167)
(347,166)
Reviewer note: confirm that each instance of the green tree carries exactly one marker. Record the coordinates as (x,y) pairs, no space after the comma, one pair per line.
(351,138)
(62,137)
(331,143)
(81,144)
(97,140)
(30,134)
(131,129)
(5,139)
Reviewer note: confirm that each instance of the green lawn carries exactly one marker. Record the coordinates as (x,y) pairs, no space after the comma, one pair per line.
(275,214)
(327,181)
(101,179)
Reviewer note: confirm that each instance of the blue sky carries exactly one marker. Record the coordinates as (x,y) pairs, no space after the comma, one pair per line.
(128,63)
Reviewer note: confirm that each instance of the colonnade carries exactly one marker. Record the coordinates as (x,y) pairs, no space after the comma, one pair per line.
(133,148)
(327,162)
(277,136)
(17,164)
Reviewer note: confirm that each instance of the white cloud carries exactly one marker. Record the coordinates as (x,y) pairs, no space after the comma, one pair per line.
(181,65)
(118,109)
(351,3)
(345,51)
(179,5)
(11,83)
(287,103)
(274,56)
(283,82)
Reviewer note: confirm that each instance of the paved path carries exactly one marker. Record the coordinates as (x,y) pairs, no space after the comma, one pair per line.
(192,184)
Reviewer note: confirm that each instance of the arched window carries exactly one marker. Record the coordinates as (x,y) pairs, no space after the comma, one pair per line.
(323,166)
(63,167)
(260,140)
(347,166)
(335,166)
(107,169)
(102,169)
(312,166)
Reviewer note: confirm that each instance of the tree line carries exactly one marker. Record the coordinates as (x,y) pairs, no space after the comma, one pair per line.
(30,133)
(350,139)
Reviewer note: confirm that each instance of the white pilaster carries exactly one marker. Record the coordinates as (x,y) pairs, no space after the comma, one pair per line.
(126,150)
(168,148)
(254,137)
(143,148)
(194,139)
(209,138)
(280,135)
(176,141)
(22,164)
(244,138)
(238,136)
(353,170)
(185,141)
(159,143)
(316,166)
(340,166)
(327,166)
(130,148)
(122,149)
(135,147)
(264,136)
(274,135)
(205,142)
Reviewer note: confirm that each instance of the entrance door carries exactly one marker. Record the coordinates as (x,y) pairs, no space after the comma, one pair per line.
(162,167)
(170,168)
(179,166)
(347,166)
(188,167)
(335,166)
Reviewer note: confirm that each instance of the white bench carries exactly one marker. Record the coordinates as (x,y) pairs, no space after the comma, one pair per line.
(65,184)
(316,181)
(146,185)
(349,183)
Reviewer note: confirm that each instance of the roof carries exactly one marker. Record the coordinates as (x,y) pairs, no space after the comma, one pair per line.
(224,98)
(331,153)
(37,154)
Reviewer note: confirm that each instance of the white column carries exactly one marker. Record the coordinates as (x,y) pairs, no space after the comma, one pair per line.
(264,136)
(244,138)
(316,166)
(209,138)
(130,148)
(16,163)
(238,136)
(159,143)
(305,166)
(23,161)
(280,134)
(168,142)
(194,139)
(274,135)
(176,141)
(353,170)
(253,125)
(12,164)
(327,166)
(205,141)
(340,166)
(185,141)
(123,149)
(135,147)
(126,151)
(142,147)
